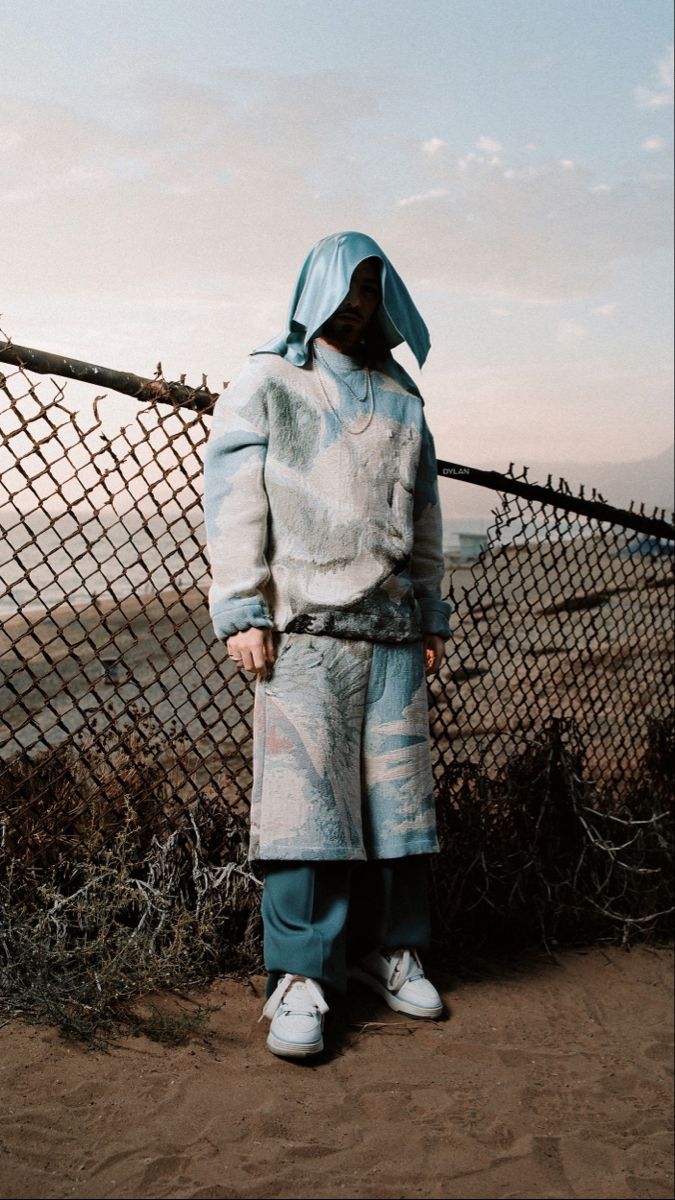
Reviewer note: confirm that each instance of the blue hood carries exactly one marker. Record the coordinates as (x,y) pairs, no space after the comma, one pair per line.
(323,284)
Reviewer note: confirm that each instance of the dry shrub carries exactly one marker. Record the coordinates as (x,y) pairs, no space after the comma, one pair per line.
(111,888)
(542,855)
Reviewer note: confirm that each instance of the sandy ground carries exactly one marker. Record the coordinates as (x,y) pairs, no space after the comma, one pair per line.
(548,1079)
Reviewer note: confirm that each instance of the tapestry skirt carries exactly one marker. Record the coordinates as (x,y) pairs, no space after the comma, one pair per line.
(341,753)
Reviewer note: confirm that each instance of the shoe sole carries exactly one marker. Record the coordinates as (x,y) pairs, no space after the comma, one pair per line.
(293,1049)
(404,1006)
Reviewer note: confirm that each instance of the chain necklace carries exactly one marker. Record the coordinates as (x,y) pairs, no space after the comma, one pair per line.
(341,375)
(360,399)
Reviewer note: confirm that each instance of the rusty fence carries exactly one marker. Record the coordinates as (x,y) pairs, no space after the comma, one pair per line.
(564,612)
(562,619)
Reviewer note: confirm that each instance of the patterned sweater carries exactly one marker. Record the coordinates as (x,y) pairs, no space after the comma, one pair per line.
(321,503)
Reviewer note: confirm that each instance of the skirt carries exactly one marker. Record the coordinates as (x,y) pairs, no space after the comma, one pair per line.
(341,753)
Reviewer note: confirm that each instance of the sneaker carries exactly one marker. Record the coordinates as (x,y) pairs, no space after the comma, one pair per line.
(399,977)
(296,1009)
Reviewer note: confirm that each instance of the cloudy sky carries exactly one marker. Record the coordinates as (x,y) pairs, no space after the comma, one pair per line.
(166,165)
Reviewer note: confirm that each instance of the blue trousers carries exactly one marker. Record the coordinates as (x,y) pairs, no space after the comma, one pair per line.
(320,916)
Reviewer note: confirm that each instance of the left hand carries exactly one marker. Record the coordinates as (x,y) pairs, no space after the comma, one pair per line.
(434,652)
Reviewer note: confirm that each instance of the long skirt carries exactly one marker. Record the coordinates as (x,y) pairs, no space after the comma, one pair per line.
(342,763)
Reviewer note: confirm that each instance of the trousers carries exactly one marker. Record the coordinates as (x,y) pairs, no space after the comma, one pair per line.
(318,917)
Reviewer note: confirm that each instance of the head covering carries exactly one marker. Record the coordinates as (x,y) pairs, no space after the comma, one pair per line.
(324,283)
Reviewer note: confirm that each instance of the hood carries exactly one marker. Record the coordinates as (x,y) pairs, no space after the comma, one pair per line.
(323,284)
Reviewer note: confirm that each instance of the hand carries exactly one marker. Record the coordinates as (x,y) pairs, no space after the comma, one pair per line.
(252,650)
(434,651)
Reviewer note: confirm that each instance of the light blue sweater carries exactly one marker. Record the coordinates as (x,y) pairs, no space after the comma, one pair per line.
(321,503)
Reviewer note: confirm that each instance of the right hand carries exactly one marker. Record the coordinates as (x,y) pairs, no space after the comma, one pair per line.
(252,650)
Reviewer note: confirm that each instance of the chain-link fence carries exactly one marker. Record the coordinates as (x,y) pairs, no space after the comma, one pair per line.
(566,614)
(563,613)
(111,678)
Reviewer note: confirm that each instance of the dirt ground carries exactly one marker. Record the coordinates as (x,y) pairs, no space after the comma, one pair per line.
(548,1078)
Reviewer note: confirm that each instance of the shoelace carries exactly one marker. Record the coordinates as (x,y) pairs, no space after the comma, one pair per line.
(405,965)
(294,983)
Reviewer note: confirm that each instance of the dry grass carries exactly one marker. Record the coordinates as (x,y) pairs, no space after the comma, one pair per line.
(113,889)
(539,854)
(110,889)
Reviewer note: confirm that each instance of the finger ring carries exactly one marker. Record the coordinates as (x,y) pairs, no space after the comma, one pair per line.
(236,659)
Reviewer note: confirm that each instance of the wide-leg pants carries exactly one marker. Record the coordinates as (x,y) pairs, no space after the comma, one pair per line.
(319,917)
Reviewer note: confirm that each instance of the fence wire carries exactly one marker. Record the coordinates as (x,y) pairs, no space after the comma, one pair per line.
(106,627)
(564,616)
(125,732)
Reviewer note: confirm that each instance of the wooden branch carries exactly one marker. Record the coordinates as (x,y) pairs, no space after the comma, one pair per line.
(159,391)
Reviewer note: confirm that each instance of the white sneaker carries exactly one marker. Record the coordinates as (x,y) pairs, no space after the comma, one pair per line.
(399,977)
(296,1009)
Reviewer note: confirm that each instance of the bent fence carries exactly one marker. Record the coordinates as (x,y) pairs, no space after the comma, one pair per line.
(115,695)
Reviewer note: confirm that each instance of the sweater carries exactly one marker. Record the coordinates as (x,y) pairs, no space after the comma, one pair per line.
(321,502)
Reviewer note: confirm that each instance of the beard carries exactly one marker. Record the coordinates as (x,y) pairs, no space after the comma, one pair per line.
(345,332)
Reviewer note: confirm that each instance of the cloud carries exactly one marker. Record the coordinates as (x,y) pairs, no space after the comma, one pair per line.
(654,144)
(48,151)
(537,233)
(568,332)
(205,185)
(9,138)
(433,146)
(419,197)
(494,160)
(489,145)
(586,407)
(178,234)
(606,310)
(660,93)
(204,193)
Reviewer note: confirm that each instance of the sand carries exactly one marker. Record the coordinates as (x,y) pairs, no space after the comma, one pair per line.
(548,1079)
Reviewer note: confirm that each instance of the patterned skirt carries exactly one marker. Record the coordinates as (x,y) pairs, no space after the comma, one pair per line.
(342,763)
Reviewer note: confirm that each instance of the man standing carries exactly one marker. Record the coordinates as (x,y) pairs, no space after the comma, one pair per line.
(324,537)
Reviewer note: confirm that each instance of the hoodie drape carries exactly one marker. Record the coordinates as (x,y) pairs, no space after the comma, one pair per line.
(321,287)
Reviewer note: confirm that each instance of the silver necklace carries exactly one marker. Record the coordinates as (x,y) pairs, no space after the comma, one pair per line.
(369,393)
(341,375)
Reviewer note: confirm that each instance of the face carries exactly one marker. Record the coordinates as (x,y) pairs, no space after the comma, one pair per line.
(347,326)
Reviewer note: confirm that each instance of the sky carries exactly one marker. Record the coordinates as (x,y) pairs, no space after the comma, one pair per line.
(165,166)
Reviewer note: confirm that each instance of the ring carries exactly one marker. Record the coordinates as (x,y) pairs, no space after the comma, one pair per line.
(236,659)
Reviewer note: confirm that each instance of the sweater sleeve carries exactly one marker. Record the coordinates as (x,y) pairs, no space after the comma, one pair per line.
(235,506)
(428,565)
